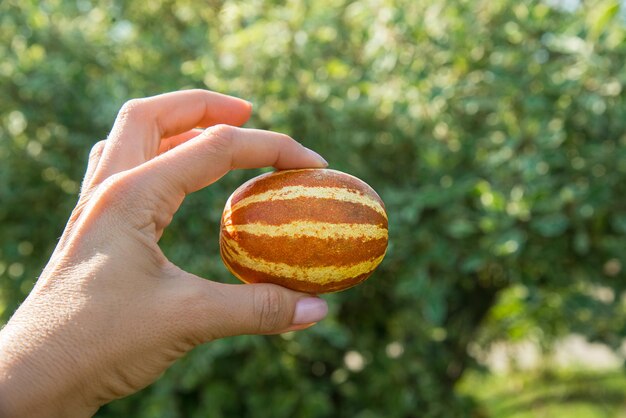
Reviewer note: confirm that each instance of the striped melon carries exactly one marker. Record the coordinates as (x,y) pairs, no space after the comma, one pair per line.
(311,230)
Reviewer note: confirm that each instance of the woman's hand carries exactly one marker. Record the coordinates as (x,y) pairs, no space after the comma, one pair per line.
(110,313)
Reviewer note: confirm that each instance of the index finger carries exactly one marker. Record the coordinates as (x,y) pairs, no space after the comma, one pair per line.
(207,157)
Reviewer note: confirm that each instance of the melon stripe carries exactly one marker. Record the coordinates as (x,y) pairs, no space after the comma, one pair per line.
(279,212)
(295,192)
(364,232)
(251,276)
(321,275)
(308,251)
(306,178)
(317,275)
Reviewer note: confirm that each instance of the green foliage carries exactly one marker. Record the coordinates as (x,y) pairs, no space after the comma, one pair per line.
(494,132)
(550,393)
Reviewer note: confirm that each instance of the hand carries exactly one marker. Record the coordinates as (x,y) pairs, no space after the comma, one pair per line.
(110,313)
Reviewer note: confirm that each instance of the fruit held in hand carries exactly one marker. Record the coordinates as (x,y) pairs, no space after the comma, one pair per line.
(311,230)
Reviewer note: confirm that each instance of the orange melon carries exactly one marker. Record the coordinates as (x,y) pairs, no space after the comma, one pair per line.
(311,230)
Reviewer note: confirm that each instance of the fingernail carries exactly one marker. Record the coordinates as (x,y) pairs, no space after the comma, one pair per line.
(317,157)
(309,310)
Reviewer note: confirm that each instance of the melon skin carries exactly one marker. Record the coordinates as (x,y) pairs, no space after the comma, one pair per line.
(310,230)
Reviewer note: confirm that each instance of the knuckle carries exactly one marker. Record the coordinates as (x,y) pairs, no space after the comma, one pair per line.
(221,141)
(284,137)
(132,109)
(115,190)
(96,150)
(222,135)
(268,304)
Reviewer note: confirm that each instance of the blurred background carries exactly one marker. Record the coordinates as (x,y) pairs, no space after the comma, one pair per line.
(495,132)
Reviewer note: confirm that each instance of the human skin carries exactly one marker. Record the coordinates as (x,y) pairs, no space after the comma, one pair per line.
(110,313)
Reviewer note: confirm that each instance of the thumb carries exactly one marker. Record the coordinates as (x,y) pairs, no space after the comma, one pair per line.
(226,310)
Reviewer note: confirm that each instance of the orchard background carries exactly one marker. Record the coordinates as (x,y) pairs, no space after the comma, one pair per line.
(495,132)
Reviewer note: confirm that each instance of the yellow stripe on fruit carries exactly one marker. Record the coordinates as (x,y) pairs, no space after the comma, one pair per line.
(320,275)
(321,230)
(295,192)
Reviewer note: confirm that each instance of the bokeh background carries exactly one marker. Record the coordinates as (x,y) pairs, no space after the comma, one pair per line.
(495,132)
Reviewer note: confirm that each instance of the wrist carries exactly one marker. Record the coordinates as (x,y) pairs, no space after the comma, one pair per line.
(30,389)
